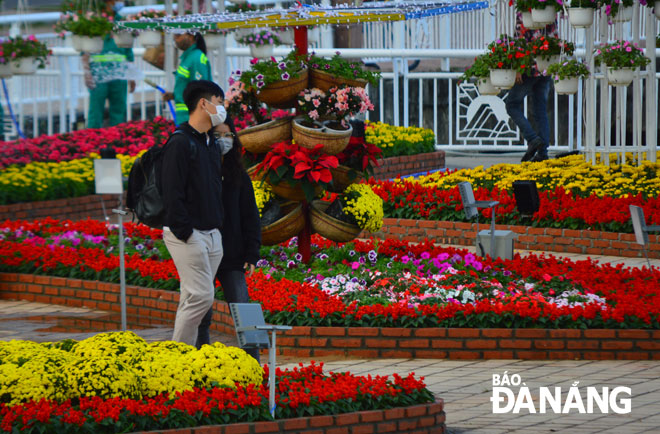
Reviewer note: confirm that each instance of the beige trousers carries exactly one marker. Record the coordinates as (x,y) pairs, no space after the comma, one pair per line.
(197,261)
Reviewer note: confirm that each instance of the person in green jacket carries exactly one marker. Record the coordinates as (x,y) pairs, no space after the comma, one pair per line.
(105,74)
(193,65)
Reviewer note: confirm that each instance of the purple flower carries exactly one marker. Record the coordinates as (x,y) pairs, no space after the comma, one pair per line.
(260,84)
(282,66)
(425,255)
(285,76)
(259,77)
(327,66)
(298,257)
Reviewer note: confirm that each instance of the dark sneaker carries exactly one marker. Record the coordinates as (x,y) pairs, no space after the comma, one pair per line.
(538,158)
(532,148)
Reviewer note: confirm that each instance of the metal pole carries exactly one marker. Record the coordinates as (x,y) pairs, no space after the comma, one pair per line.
(651,84)
(122,266)
(271,375)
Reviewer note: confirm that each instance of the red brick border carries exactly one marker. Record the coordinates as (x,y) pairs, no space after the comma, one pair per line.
(529,238)
(408,164)
(422,419)
(159,306)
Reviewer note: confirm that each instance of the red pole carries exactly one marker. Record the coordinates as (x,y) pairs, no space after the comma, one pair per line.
(305,236)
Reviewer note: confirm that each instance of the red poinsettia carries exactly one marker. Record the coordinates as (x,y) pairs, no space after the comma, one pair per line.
(297,165)
(360,155)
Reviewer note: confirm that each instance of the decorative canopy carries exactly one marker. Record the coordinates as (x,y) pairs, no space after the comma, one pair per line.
(303,15)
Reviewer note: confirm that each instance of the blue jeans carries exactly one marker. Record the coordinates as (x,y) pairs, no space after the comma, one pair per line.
(539,88)
(235,289)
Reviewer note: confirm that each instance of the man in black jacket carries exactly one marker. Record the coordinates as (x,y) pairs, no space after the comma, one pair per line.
(191,187)
(241,233)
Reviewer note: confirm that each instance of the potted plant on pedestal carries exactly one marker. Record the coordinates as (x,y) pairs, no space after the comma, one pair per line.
(566,75)
(261,43)
(337,71)
(581,12)
(507,56)
(622,59)
(25,55)
(297,173)
(547,50)
(277,83)
(323,117)
(481,72)
(357,209)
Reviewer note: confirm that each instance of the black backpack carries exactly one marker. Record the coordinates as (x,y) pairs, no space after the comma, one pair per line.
(143,196)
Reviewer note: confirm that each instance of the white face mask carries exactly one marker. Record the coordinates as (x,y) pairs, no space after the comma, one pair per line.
(219,116)
(226,143)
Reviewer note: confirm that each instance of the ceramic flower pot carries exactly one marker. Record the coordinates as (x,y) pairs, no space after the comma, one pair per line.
(333,141)
(123,39)
(92,45)
(261,51)
(567,86)
(656,9)
(581,17)
(24,66)
(485,86)
(545,16)
(324,81)
(503,78)
(259,138)
(5,70)
(213,41)
(76,42)
(329,227)
(620,77)
(149,38)
(529,23)
(623,15)
(542,64)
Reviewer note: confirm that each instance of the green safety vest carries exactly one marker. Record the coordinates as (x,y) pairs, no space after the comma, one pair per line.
(193,65)
(109,59)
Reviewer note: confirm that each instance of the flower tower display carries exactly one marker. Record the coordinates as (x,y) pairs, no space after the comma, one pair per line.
(298,158)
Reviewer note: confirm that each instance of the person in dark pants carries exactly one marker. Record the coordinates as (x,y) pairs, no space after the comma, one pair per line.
(241,233)
(538,86)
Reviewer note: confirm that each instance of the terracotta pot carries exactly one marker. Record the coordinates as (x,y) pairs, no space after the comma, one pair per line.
(325,81)
(283,94)
(503,78)
(283,189)
(286,227)
(330,227)
(333,141)
(341,179)
(568,86)
(259,138)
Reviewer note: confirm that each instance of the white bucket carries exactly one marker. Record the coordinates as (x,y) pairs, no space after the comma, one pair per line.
(581,17)
(620,77)
(544,16)
(503,78)
(567,86)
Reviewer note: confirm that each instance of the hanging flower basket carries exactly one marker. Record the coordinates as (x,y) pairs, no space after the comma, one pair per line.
(544,16)
(529,23)
(542,64)
(288,226)
(261,51)
(282,94)
(581,17)
(24,66)
(330,227)
(297,194)
(567,86)
(76,42)
(333,141)
(324,81)
(341,178)
(149,38)
(5,70)
(503,78)
(213,41)
(624,14)
(485,86)
(91,44)
(621,76)
(259,138)
(123,39)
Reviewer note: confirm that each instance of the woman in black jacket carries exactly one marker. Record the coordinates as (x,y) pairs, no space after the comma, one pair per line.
(241,231)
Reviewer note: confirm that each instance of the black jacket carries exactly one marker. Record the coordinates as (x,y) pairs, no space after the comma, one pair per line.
(241,233)
(191,183)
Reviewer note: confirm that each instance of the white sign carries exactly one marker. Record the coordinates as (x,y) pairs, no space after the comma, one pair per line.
(107,176)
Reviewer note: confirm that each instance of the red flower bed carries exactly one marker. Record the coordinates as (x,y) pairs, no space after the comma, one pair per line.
(300,392)
(558,208)
(129,138)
